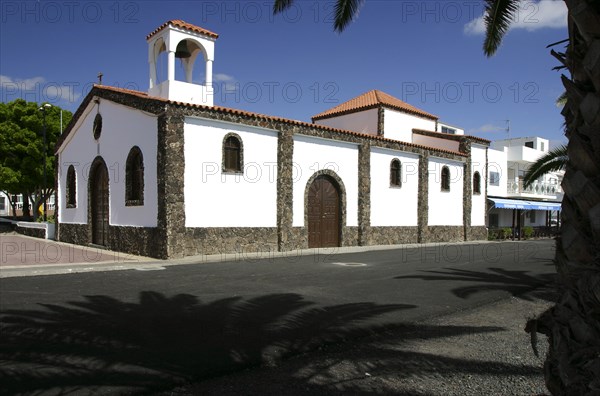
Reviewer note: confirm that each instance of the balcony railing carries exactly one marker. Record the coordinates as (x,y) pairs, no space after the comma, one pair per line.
(537,188)
(19,206)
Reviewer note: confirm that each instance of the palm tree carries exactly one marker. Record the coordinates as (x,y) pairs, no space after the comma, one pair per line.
(552,161)
(573,325)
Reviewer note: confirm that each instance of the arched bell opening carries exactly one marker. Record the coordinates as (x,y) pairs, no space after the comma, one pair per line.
(161,63)
(190,62)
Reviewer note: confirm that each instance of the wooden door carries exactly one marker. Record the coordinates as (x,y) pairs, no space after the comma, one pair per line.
(323,213)
(100,208)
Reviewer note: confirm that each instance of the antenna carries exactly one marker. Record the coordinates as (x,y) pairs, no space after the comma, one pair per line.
(507,129)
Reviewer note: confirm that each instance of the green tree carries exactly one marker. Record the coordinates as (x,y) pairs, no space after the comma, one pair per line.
(573,325)
(22,151)
(555,160)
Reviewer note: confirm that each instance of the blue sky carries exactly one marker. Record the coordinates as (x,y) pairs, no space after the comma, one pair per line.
(427,53)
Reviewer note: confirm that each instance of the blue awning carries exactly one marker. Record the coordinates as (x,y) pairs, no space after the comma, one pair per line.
(503,203)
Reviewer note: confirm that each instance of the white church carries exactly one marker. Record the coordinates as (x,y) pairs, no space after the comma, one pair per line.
(167,174)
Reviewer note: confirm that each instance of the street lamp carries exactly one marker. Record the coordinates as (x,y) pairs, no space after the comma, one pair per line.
(43,110)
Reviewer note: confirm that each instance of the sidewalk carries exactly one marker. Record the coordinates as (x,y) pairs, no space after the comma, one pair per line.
(22,255)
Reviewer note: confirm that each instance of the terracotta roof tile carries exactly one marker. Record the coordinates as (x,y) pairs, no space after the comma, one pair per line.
(184,25)
(264,117)
(370,100)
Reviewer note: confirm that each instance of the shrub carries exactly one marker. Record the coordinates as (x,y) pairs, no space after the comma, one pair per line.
(50,218)
(527,232)
(506,232)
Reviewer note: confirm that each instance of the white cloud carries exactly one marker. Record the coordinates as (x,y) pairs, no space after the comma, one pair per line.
(475,27)
(27,84)
(38,89)
(531,16)
(228,82)
(222,77)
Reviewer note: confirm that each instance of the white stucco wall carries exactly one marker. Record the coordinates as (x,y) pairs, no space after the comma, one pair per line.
(497,163)
(457,130)
(122,128)
(445,207)
(429,141)
(394,206)
(399,125)
(478,202)
(216,199)
(362,122)
(314,154)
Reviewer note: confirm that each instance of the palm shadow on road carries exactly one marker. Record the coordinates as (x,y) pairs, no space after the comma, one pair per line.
(106,345)
(387,357)
(498,279)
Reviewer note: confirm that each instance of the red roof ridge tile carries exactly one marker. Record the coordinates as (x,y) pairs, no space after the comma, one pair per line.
(184,25)
(372,99)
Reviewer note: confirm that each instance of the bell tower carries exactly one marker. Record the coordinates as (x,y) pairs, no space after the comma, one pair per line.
(192,45)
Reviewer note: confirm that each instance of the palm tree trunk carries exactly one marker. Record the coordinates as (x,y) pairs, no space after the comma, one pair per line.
(573,325)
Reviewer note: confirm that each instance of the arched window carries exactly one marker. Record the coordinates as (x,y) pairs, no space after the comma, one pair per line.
(232,153)
(395,173)
(134,178)
(71,188)
(97,129)
(476,183)
(445,178)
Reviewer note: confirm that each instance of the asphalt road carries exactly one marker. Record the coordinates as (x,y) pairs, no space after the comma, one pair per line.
(149,329)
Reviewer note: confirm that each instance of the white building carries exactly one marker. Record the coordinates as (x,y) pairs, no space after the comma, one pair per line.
(4,204)
(511,204)
(6,209)
(165,173)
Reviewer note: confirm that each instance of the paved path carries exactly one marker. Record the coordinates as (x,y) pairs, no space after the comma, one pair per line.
(23,252)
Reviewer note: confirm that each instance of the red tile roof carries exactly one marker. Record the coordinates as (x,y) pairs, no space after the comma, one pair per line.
(258,116)
(369,100)
(184,25)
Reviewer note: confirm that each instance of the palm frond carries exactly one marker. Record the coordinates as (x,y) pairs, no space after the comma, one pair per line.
(562,99)
(498,16)
(558,42)
(553,161)
(281,5)
(345,12)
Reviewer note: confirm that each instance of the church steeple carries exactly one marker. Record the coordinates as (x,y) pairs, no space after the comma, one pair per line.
(189,43)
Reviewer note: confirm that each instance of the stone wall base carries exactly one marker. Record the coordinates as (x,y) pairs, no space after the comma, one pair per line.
(32,232)
(477,233)
(242,240)
(141,241)
(350,236)
(392,235)
(443,234)
(217,240)
(77,234)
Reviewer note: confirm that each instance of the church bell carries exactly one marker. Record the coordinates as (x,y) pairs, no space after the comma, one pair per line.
(182,50)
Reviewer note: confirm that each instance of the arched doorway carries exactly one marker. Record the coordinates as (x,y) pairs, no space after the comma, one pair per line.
(99,195)
(323,213)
